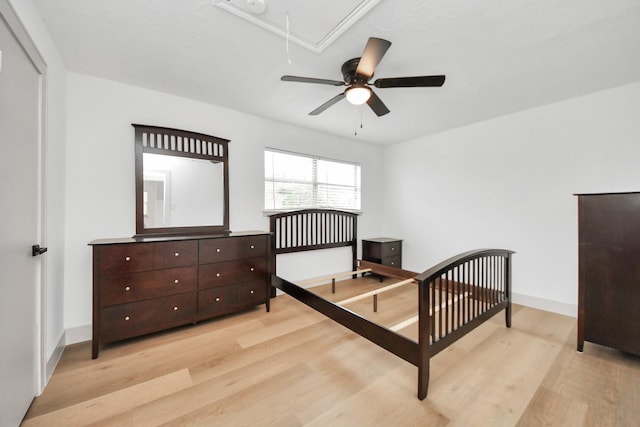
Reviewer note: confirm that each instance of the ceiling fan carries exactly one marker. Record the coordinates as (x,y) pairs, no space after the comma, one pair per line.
(357,73)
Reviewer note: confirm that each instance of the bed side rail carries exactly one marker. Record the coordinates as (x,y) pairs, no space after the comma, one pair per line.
(461,292)
(391,341)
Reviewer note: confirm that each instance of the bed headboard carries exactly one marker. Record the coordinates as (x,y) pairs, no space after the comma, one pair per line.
(311,229)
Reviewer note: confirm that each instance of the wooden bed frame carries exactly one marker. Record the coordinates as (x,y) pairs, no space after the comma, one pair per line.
(455,296)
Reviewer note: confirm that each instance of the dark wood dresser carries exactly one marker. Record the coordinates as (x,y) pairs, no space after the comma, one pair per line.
(609,270)
(383,250)
(149,284)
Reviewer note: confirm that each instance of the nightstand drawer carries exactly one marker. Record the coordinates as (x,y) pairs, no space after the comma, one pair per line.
(394,261)
(391,249)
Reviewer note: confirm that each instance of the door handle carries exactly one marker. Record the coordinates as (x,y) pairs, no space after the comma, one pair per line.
(37,250)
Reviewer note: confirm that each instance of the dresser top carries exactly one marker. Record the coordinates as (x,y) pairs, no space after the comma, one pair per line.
(145,239)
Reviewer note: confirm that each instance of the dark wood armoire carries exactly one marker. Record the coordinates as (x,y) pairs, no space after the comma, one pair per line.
(609,270)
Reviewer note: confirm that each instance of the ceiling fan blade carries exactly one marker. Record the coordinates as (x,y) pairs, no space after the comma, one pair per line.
(421,81)
(377,105)
(312,80)
(327,104)
(373,53)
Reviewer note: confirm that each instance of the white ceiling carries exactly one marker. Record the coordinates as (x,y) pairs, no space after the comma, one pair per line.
(499,56)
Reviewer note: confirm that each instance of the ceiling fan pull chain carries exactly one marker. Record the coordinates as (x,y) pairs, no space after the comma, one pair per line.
(356,109)
(287,48)
(355,123)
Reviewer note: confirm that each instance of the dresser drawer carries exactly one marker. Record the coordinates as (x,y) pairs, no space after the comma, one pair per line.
(138,318)
(227,249)
(251,293)
(130,287)
(175,254)
(226,299)
(225,273)
(127,258)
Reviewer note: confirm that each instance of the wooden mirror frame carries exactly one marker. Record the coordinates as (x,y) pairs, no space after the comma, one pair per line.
(180,143)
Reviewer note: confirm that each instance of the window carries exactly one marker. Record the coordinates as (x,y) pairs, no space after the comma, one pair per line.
(298,181)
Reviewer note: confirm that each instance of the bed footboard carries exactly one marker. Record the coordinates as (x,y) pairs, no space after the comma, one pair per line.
(455,297)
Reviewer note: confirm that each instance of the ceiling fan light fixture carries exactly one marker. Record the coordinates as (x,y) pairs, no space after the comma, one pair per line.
(358,95)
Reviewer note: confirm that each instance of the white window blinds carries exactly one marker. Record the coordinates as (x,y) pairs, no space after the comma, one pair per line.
(298,181)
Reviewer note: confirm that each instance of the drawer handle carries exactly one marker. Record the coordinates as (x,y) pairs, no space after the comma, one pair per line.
(175,308)
(253,247)
(217,274)
(127,288)
(126,317)
(176,281)
(217,299)
(127,258)
(393,249)
(251,291)
(253,269)
(393,263)
(217,249)
(176,254)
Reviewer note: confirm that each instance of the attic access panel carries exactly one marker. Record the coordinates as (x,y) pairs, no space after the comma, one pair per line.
(312,25)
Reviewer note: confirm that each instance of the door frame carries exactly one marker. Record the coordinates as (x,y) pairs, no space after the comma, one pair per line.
(8,12)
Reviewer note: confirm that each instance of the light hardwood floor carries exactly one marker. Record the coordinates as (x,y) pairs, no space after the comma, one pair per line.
(293,367)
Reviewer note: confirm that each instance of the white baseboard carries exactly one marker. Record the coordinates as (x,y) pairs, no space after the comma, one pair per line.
(78,334)
(546,304)
(55,358)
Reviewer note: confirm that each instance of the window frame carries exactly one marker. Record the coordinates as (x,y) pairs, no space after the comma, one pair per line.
(314,182)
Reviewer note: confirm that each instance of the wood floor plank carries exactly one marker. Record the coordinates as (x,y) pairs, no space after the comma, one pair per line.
(110,372)
(606,380)
(257,405)
(260,335)
(294,367)
(511,362)
(93,410)
(549,408)
(235,374)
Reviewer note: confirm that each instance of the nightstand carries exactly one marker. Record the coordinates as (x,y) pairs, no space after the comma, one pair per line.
(383,250)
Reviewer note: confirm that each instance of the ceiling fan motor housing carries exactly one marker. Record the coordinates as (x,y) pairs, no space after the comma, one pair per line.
(349,73)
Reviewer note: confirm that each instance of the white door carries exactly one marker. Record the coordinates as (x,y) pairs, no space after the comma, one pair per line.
(20,272)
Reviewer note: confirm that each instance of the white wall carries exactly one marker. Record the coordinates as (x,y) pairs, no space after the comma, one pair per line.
(100,169)
(55,131)
(509,183)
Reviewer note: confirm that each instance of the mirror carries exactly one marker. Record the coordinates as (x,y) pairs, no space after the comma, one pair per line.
(181,182)
(172,195)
